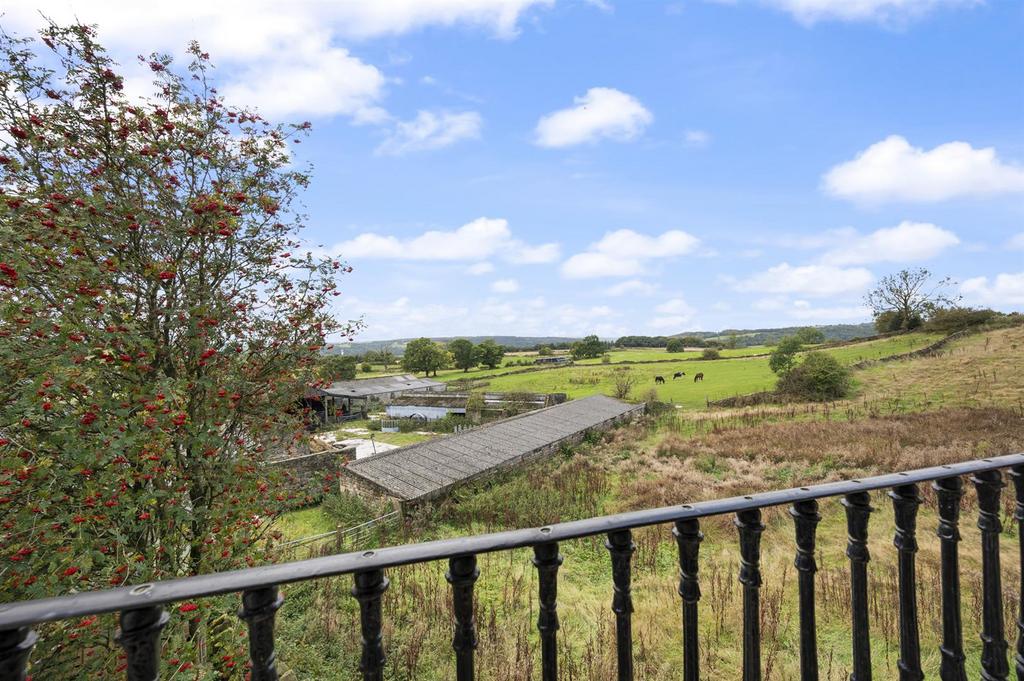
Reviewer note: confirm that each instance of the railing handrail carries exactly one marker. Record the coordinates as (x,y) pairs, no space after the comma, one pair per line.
(22,614)
(345,531)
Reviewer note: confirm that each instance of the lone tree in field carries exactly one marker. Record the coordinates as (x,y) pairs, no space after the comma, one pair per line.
(489,353)
(464,354)
(158,325)
(783,357)
(588,348)
(903,300)
(425,355)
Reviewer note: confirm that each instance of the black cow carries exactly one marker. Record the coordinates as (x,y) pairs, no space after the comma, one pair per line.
(659,379)
(678,374)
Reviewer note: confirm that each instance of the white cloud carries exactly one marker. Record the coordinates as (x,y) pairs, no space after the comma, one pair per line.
(283,57)
(481,238)
(808,280)
(623,253)
(430,130)
(671,322)
(602,113)
(505,286)
(801,309)
(632,287)
(675,306)
(696,139)
(892,170)
(1016,242)
(1005,289)
(480,268)
(906,242)
(882,11)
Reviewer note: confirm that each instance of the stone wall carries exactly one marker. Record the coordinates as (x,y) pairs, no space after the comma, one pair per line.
(302,480)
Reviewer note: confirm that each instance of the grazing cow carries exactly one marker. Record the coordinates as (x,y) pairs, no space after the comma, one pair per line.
(678,374)
(698,376)
(659,379)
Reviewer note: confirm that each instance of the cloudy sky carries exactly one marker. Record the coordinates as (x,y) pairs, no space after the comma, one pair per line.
(566,167)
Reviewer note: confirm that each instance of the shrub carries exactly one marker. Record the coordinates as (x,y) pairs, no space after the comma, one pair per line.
(783,357)
(624,381)
(606,359)
(711,353)
(675,345)
(952,319)
(819,377)
(366,367)
(349,509)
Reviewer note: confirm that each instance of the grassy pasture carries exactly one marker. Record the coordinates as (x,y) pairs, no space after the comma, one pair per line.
(722,378)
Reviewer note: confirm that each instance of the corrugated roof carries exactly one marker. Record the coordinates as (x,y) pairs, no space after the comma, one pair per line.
(365,387)
(427,469)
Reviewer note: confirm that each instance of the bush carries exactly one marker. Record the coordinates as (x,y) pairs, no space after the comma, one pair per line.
(606,359)
(783,357)
(374,424)
(891,321)
(711,353)
(819,377)
(366,367)
(953,319)
(675,345)
(349,509)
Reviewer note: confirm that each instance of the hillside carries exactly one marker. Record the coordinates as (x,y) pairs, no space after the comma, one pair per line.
(962,403)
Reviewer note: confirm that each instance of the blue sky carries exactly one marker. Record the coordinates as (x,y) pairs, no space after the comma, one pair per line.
(538,167)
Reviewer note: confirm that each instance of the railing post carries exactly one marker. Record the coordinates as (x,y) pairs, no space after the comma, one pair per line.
(1017,473)
(368,587)
(993,654)
(806,518)
(905,501)
(547,560)
(139,635)
(15,647)
(949,491)
(858,509)
(462,573)
(750,529)
(620,544)
(688,538)
(258,609)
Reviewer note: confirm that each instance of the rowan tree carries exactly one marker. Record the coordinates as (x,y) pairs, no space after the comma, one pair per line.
(159,321)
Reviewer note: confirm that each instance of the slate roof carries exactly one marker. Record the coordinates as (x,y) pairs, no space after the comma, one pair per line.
(427,469)
(366,387)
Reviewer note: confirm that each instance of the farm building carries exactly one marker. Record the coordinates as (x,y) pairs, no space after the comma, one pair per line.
(430,406)
(554,360)
(344,398)
(429,470)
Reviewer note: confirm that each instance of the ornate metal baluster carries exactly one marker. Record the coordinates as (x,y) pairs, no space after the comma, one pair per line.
(949,492)
(258,609)
(905,500)
(858,509)
(750,529)
(462,573)
(1017,473)
(688,538)
(139,635)
(620,544)
(993,639)
(547,560)
(15,647)
(368,587)
(806,518)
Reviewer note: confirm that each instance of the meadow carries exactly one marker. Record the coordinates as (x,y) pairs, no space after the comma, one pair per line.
(962,403)
(725,377)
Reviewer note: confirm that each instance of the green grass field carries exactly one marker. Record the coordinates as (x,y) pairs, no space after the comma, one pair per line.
(722,378)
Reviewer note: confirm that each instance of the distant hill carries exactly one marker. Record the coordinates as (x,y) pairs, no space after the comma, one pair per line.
(397,346)
(746,337)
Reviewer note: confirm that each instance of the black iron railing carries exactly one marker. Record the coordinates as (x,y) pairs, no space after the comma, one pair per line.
(142,615)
